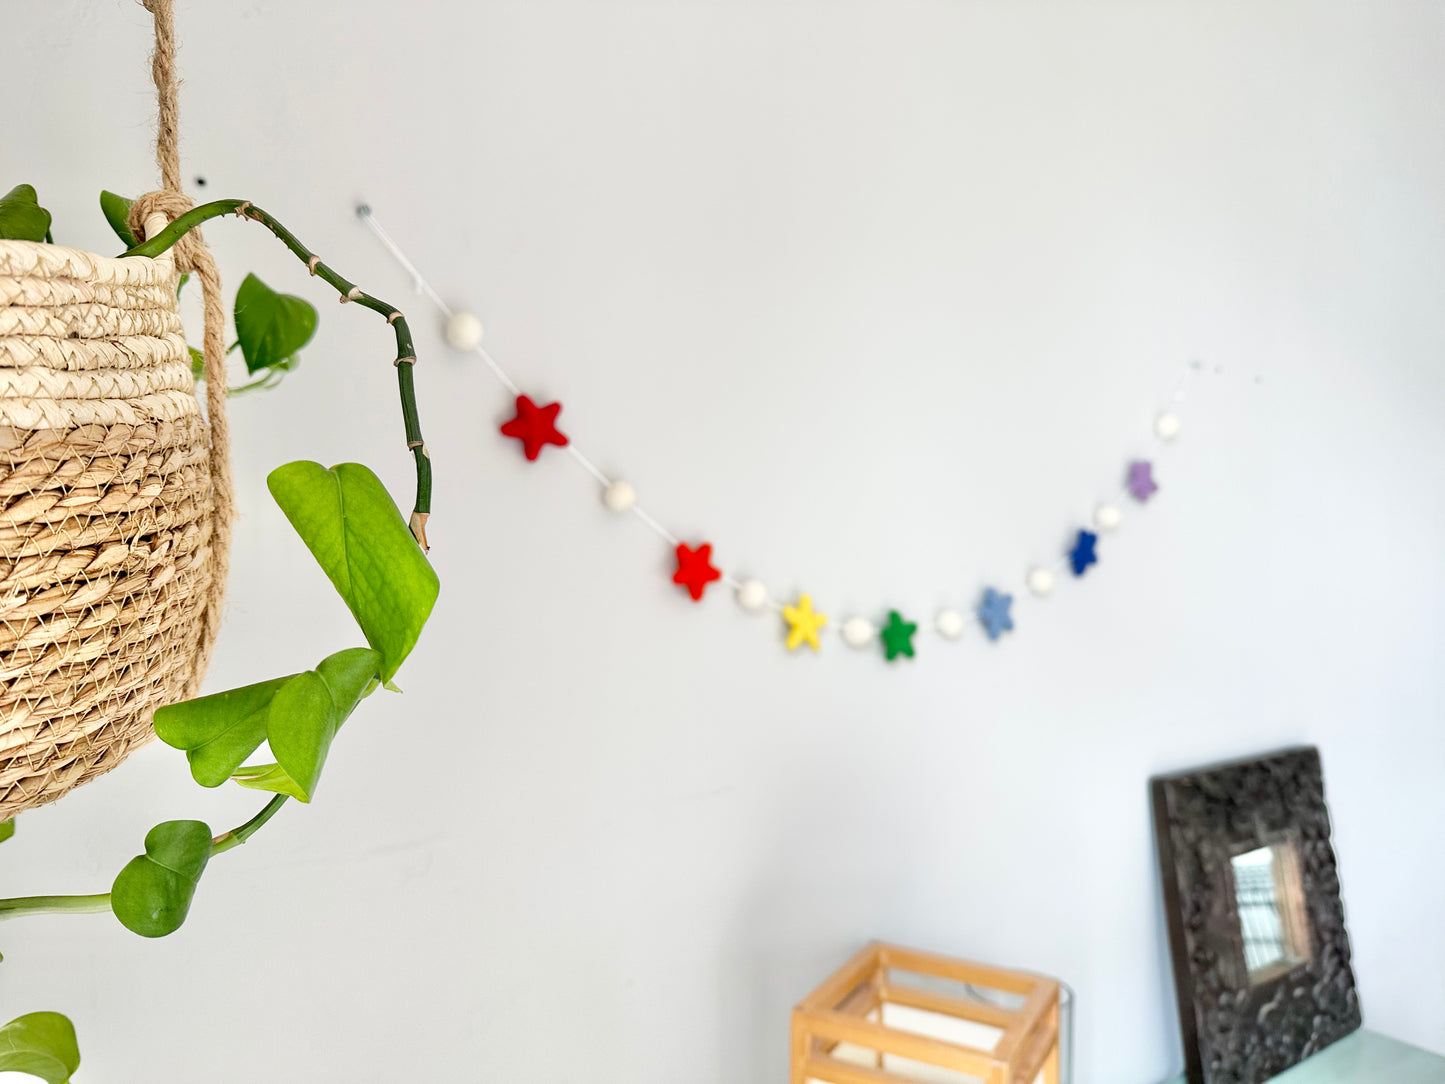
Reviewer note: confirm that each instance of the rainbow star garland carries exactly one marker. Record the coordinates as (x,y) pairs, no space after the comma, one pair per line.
(535,428)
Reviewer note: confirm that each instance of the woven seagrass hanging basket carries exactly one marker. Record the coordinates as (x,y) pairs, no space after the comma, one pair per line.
(114,493)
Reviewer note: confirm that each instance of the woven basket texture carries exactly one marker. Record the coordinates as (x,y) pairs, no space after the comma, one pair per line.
(106,520)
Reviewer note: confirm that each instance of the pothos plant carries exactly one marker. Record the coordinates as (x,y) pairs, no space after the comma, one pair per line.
(374,559)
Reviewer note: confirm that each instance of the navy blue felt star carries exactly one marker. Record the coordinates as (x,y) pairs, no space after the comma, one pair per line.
(1083,555)
(993,611)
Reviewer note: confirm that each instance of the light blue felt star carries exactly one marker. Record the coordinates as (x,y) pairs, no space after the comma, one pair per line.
(993,611)
(1083,555)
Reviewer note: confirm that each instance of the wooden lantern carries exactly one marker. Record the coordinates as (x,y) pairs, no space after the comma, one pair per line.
(897,1016)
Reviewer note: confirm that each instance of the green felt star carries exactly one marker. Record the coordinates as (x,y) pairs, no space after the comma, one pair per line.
(897,636)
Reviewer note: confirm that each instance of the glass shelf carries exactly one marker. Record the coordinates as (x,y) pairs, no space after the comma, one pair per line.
(1364,1058)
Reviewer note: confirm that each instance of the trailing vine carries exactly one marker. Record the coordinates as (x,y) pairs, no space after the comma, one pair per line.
(348,291)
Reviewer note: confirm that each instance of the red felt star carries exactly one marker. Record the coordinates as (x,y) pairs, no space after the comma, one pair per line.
(535,426)
(694,569)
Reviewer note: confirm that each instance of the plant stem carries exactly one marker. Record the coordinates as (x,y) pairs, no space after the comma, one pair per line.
(236,836)
(349,291)
(37,905)
(270,380)
(90,905)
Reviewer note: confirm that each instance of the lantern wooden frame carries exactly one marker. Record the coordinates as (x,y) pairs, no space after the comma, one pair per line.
(848,1008)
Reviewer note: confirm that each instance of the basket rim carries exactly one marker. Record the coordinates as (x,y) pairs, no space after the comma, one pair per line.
(42,259)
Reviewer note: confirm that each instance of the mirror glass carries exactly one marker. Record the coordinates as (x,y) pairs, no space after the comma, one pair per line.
(1268,895)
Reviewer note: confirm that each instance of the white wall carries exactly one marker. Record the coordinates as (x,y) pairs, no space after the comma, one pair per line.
(878,298)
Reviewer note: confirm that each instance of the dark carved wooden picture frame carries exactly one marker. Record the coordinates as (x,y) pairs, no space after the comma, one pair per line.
(1243,1027)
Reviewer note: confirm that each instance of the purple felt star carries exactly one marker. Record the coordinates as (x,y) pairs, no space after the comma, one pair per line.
(1141,479)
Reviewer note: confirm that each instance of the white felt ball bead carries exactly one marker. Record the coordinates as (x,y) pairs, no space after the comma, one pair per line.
(1167,426)
(858,631)
(950,623)
(619,496)
(1041,582)
(1106,517)
(464,331)
(752,595)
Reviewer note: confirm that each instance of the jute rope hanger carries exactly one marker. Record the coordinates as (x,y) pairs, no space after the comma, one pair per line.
(115,495)
(192,257)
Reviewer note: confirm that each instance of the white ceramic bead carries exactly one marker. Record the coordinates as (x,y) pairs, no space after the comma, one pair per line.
(1167,425)
(619,496)
(1041,582)
(464,331)
(1106,517)
(752,595)
(858,632)
(949,623)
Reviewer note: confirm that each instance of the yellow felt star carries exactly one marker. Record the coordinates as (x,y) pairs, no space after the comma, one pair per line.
(803,623)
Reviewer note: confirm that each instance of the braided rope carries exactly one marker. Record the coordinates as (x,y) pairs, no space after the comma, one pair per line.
(192,257)
(115,493)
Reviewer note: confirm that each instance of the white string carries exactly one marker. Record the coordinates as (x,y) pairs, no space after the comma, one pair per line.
(640,513)
(589,466)
(421,286)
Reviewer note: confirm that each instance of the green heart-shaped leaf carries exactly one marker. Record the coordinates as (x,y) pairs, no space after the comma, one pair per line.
(152,894)
(354,530)
(41,1044)
(297,715)
(21,216)
(309,710)
(7,829)
(271,327)
(220,731)
(117,212)
(304,722)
